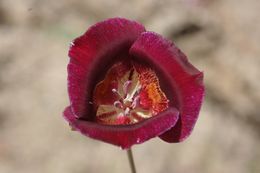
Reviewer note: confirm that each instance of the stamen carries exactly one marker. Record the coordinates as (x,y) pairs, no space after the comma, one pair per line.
(127,110)
(126,86)
(118,94)
(135,101)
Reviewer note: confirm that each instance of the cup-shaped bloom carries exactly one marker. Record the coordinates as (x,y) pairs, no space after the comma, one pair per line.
(127,85)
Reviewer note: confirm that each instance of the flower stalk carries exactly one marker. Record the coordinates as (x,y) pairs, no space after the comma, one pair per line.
(131,160)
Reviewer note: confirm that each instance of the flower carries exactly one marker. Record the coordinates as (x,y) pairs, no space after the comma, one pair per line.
(127,85)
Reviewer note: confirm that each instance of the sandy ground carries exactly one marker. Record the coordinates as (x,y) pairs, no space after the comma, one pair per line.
(221,37)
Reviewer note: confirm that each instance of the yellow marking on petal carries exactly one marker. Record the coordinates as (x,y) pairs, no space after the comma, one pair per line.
(153,93)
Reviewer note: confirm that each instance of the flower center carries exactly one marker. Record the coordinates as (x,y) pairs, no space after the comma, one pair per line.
(129,94)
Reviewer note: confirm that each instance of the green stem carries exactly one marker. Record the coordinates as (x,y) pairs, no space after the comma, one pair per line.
(131,160)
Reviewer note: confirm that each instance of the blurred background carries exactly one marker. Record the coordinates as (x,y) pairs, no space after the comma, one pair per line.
(221,38)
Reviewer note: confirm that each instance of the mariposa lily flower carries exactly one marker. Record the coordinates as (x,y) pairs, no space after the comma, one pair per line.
(127,85)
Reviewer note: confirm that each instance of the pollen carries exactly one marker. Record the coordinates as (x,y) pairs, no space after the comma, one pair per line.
(129,93)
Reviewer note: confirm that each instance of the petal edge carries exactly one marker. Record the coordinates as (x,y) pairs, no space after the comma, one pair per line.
(126,135)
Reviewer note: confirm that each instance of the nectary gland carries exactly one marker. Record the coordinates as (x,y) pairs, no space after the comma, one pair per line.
(129,93)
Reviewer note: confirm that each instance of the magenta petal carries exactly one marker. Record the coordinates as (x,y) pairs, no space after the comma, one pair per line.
(183,79)
(125,135)
(92,53)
